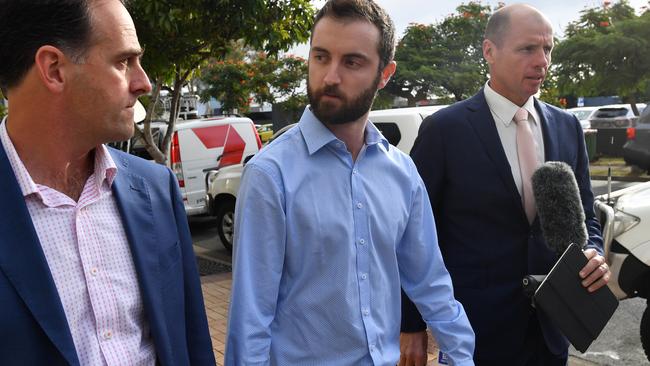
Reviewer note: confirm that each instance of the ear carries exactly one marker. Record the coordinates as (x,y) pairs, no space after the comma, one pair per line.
(50,64)
(386,73)
(488,51)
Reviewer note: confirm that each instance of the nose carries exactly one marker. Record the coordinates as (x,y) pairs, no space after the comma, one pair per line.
(543,59)
(332,76)
(139,83)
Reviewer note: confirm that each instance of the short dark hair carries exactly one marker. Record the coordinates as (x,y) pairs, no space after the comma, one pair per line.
(364,10)
(497,26)
(29,25)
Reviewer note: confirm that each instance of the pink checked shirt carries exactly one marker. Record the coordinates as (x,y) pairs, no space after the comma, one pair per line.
(90,260)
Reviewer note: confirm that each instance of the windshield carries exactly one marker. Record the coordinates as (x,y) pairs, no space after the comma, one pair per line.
(584,114)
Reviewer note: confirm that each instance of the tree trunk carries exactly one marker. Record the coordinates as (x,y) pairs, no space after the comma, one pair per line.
(145,134)
(179,80)
(633,105)
(150,145)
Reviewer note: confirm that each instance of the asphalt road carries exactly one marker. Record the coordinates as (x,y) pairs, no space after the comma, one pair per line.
(618,344)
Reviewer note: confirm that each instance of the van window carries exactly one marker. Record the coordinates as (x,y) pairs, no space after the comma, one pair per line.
(390,132)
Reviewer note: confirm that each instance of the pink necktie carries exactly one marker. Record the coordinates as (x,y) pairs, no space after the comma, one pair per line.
(526,151)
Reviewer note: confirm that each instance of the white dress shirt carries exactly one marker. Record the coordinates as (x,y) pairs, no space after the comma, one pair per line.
(503,110)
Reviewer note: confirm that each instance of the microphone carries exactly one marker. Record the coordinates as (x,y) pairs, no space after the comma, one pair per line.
(559,207)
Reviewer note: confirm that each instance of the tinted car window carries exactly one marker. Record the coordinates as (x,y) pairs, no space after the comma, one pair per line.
(611,112)
(390,132)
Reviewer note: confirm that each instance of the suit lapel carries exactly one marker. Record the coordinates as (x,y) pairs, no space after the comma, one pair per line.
(480,118)
(23,262)
(549,132)
(134,203)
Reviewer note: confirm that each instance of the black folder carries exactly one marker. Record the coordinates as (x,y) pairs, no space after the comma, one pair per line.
(579,314)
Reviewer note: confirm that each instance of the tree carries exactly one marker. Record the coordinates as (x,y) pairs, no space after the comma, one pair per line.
(606,52)
(444,58)
(180,36)
(244,77)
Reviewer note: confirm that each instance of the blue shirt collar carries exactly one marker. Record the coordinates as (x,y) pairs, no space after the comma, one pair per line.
(317,135)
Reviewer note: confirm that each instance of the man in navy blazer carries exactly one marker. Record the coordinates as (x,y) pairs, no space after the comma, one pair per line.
(96,259)
(467,157)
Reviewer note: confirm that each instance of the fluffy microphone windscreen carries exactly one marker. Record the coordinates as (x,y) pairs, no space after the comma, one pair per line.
(558,206)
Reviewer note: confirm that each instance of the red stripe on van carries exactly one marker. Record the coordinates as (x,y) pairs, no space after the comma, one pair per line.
(234,149)
(213,136)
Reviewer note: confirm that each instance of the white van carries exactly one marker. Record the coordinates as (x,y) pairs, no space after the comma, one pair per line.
(201,145)
(399,126)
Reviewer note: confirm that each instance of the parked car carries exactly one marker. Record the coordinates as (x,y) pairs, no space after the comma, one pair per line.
(636,150)
(221,192)
(399,126)
(200,145)
(583,114)
(612,122)
(614,116)
(624,216)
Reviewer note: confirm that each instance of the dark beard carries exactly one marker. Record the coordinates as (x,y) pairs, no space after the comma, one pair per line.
(349,111)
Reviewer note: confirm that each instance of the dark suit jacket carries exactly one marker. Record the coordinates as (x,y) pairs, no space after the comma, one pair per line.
(33,327)
(486,241)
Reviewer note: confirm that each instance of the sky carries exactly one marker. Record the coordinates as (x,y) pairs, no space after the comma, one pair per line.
(403,12)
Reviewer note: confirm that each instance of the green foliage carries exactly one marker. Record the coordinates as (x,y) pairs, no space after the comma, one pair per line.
(550,92)
(236,82)
(444,58)
(179,36)
(383,100)
(607,52)
(182,34)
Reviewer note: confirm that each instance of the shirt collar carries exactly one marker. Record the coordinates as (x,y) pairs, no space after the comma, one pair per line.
(504,109)
(25,181)
(316,135)
(105,167)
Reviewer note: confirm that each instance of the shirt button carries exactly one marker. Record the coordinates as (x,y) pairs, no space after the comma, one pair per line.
(364,276)
(354,171)
(366,312)
(362,241)
(372,348)
(107,334)
(359,205)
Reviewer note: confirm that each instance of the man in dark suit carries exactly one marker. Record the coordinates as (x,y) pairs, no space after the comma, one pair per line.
(476,158)
(96,261)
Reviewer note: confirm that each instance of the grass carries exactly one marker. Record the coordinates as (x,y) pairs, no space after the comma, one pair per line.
(600,166)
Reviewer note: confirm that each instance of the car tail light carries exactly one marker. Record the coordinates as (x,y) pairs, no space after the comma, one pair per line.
(257,136)
(631,133)
(176,164)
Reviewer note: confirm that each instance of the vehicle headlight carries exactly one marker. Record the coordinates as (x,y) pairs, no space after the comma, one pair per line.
(624,222)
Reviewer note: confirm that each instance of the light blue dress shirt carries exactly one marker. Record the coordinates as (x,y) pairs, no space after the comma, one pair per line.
(322,245)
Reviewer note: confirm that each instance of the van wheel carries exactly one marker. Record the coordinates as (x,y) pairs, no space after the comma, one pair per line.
(226,223)
(645,331)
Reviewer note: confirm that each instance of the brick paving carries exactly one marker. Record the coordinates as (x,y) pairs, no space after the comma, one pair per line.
(216,294)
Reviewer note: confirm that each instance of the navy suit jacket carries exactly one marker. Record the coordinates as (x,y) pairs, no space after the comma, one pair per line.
(33,326)
(484,235)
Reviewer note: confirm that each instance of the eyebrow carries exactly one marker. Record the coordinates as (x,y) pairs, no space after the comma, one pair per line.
(134,52)
(353,54)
